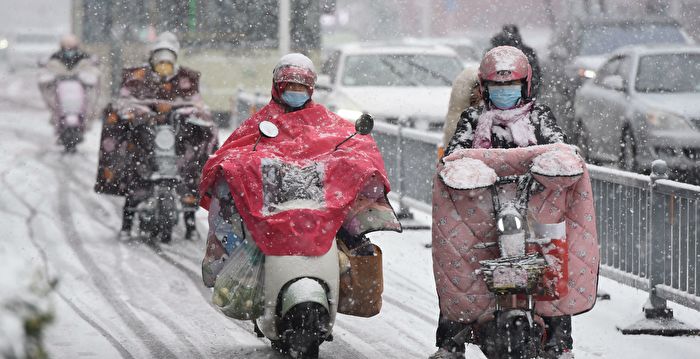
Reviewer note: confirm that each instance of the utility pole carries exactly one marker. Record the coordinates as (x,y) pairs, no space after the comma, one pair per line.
(77,20)
(426,18)
(284,16)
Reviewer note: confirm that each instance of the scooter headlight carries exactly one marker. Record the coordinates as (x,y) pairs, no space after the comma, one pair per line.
(509,224)
(165,139)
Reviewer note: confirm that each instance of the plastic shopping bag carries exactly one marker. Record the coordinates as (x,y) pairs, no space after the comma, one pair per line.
(238,290)
(233,263)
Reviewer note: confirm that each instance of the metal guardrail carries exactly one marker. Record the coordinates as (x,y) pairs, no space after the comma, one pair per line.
(647,228)
(646,224)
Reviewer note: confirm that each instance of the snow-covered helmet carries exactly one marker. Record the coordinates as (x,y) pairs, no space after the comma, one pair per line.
(295,68)
(165,41)
(505,63)
(69,41)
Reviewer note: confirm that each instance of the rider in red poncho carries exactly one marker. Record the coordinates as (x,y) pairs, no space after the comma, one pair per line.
(286,216)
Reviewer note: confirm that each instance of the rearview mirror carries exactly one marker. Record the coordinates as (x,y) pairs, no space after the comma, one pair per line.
(323,82)
(268,129)
(364,124)
(614,82)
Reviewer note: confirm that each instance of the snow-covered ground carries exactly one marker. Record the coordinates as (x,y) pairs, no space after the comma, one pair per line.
(127,300)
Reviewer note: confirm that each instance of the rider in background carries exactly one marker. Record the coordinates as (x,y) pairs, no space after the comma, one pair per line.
(162,79)
(69,62)
(70,53)
(508,117)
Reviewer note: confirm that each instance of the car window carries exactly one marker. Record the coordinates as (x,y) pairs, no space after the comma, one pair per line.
(608,69)
(601,39)
(624,68)
(331,65)
(400,70)
(668,73)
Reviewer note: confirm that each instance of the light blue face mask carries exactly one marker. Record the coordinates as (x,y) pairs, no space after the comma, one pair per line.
(295,99)
(505,97)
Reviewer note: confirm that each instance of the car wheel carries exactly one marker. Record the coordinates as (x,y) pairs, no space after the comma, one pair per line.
(628,151)
(583,140)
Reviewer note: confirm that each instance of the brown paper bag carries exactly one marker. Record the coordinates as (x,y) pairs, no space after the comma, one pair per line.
(362,285)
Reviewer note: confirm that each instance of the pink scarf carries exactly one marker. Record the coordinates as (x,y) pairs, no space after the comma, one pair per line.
(516,121)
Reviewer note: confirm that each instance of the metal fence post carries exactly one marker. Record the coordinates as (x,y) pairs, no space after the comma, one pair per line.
(658,318)
(404,212)
(656,306)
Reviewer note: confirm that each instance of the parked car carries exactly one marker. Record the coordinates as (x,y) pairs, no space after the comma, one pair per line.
(467,49)
(392,82)
(27,48)
(581,45)
(644,104)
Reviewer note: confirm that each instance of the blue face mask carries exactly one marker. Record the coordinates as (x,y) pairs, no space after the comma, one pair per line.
(295,99)
(505,97)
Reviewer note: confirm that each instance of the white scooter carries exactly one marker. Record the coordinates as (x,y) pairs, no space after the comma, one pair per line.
(301,293)
(296,305)
(69,93)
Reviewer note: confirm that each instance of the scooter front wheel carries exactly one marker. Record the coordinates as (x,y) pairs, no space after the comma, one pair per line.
(70,138)
(304,328)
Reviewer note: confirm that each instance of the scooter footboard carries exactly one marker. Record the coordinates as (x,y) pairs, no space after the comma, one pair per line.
(313,279)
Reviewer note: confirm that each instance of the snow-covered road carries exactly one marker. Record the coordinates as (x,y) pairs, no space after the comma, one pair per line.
(129,300)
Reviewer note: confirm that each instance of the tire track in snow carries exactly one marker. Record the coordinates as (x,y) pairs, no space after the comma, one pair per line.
(42,253)
(115,343)
(75,243)
(74,240)
(191,275)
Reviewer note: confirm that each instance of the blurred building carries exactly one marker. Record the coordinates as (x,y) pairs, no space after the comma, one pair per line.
(392,19)
(200,23)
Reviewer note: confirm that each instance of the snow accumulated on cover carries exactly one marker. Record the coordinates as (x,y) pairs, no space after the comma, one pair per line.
(467,173)
(558,163)
(288,186)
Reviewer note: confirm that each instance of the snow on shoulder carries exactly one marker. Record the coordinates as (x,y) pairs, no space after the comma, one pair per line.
(558,162)
(467,173)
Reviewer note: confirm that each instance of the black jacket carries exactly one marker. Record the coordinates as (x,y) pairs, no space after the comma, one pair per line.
(546,129)
(70,58)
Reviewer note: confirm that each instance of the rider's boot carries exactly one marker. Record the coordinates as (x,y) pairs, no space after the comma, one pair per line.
(190,226)
(127,218)
(559,341)
(125,232)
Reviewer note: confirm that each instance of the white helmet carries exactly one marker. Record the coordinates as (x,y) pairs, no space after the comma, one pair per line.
(69,41)
(166,41)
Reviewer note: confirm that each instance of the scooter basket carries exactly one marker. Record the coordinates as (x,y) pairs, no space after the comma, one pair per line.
(513,275)
(362,285)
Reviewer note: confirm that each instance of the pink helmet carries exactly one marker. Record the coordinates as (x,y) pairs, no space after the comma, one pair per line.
(293,68)
(505,63)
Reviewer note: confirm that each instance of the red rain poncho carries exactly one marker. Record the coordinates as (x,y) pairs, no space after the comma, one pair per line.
(299,160)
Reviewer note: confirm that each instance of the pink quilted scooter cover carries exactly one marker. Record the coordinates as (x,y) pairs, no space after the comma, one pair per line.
(463,218)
